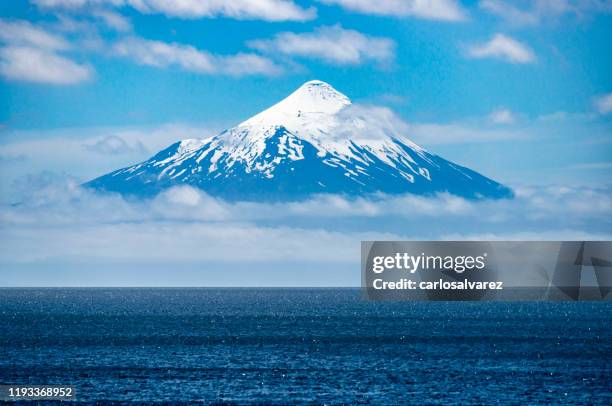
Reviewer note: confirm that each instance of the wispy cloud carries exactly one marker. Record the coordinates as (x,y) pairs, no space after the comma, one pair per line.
(603,103)
(113,20)
(30,53)
(332,44)
(161,54)
(534,12)
(445,10)
(503,47)
(269,10)
(502,116)
(509,12)
(114,145)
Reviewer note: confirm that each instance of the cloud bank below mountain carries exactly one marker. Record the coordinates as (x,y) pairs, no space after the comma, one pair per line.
(61,229)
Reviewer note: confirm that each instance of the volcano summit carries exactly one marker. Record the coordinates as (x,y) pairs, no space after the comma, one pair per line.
(313,141)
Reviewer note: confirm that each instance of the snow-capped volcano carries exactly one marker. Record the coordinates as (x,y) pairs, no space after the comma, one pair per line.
(313,141)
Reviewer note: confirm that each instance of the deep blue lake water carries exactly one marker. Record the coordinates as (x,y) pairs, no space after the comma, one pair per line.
(303,346)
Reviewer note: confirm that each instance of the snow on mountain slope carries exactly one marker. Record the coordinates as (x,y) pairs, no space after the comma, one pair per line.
(313,141)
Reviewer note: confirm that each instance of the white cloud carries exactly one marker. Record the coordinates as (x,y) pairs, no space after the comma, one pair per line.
(603,103)
(502,116)
(114,145)
(90,27)
(446,10)
(113,20)
(380,121)
(23,33)
(31,54)
(509,12)
(534,12)
(183,224)
(269,10)
(36,65)
(503,47)
(162,54)
(332,44)
(367,123)
(58,221)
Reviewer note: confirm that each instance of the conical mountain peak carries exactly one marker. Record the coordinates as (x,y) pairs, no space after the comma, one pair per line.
(318,90)
(314,97)
(310,142)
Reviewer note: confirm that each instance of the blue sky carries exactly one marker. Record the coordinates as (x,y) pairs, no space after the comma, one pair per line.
(520,91)
(429,67)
